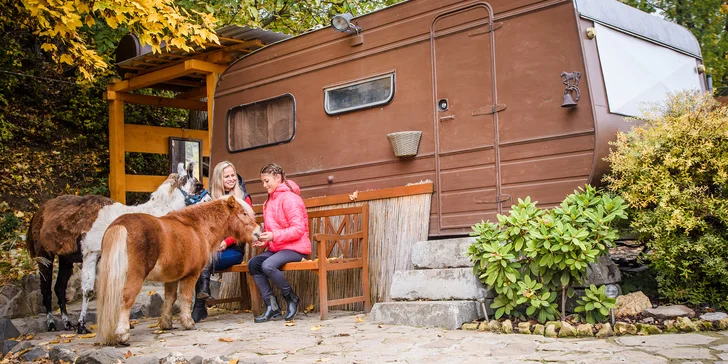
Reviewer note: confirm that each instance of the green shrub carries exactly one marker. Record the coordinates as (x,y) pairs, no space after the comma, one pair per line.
(673,172)
(531,253)
(595,304)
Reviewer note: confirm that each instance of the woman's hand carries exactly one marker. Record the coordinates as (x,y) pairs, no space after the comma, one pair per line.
(266,236)
(259,244)
(222,246)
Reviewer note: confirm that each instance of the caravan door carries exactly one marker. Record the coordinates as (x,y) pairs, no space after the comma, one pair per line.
(466,148)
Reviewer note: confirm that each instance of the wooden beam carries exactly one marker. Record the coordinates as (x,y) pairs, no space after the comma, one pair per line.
(166,74)
(156,101)
(365,196)
(194,94)
(145,183)
(155,139)
(117,183)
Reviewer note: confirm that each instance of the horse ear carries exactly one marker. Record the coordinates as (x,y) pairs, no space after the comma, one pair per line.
(180,169)
(190,169)
(232,202)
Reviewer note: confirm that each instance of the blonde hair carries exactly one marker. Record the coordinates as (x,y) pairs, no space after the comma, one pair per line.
(217,189)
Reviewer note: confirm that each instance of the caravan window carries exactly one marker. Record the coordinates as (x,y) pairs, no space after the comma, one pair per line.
(262,123)
(359,94)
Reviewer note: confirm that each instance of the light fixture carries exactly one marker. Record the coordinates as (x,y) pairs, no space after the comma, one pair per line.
(611,291)
(342,23)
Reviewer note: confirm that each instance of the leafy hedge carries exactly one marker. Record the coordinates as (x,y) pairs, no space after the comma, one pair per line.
(673,171)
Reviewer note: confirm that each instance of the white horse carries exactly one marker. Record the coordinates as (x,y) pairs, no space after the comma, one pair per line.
(69,225)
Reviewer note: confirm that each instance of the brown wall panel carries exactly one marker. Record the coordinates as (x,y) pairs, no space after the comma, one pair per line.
(467,178)
(549,147)
(548,193)
(547,168)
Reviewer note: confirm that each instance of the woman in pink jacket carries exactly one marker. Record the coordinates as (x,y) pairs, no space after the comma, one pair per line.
(285,238)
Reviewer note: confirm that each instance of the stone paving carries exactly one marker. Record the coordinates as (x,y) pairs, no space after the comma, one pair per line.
(350,338)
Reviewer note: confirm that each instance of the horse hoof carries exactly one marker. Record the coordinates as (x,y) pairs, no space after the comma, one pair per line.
(52,327)
(67,326)
(82,330)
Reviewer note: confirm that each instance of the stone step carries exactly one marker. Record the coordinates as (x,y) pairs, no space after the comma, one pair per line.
(445,314)
(438,254)
(437,284)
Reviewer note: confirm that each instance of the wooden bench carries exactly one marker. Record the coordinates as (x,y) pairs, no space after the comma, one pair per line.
(341,237)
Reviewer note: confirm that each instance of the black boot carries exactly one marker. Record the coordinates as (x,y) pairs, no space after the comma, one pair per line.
(271,311)
(292,301)
(204,283)
(199,311)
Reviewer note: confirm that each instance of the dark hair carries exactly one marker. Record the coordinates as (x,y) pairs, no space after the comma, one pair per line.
(272,168)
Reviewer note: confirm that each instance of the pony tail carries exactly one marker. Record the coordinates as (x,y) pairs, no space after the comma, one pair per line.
(113,268)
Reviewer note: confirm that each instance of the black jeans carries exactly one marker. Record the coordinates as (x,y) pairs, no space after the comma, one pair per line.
(267,265)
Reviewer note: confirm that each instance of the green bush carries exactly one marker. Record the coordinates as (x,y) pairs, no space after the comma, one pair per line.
(595,304)
(532,253)
(673,171)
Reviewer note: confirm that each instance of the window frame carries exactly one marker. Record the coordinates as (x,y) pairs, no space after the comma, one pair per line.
(227,124)
(391,75)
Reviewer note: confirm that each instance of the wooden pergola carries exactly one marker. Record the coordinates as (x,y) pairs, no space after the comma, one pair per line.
(193,76)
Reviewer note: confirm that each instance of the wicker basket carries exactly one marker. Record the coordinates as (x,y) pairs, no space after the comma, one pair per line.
(405,143)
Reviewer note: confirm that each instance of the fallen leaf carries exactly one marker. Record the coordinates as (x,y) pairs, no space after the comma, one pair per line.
(133,322)
(29,337)
(247,311)
(233,361)
(158,332)
(128,354)
(93,327)
(163,341)
(66,336)
(323,360)
(226,339)
(354,196)
(150,293)
(87,336)
(308,309)
(153,326)
(290,323)
(19,214)
(66,341)
(379,326)
(358,320)
(340,335)
(241,322)
(316,328)
(53,342)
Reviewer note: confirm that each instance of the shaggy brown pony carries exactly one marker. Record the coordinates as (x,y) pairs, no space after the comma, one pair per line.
(172,249)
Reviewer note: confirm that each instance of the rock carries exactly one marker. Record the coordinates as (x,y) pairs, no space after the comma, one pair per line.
(155,305)
(62,353)
(33,354)
(605,331)
(555,323)
(550,330)
(196,359)
(669,326)
(713,316)
(494,326)
(585,330)
(603,271)
(623,328)
(146,360)
(507,327)
(216,360)
(684,324)
(538,329)
(7,329)
(648,320)
(567,330)
(722,324)
(483,326)
(174,358)
(631,304)
(669,312)
(524,328)
(647,329)
(705,325)
(470,326)
(20,347)
(100,356)
(137,311)
(6,346)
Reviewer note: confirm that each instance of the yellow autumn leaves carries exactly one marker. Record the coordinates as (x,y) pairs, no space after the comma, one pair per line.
(66,27)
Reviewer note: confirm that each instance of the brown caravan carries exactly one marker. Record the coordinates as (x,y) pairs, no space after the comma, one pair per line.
(513,98)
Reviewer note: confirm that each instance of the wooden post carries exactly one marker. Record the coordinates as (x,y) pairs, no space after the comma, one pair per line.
(210,83)
(117,183)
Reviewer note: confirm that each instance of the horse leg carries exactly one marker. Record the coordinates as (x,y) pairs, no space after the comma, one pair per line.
(65,270)
(170,295)
(131,289)
(187,290)
(88,278)
(45,267)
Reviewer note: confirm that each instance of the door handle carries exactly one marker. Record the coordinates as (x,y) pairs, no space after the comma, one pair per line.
(448,117)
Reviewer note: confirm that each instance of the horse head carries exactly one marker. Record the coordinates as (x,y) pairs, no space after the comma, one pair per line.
(181,189)
(242,224)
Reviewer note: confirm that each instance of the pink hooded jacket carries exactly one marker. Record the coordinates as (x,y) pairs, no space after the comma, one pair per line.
(284,214)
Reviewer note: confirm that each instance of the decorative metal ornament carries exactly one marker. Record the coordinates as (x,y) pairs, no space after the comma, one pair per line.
(571,80)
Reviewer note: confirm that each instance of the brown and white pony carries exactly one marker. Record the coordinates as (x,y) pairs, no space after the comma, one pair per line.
(172,249)
(71,227)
